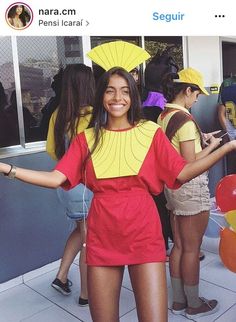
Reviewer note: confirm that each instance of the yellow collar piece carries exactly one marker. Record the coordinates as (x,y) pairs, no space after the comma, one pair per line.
(121,153)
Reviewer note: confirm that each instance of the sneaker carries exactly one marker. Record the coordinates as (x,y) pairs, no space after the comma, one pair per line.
(63,288)
(83,302)
(178,308)
(208,307)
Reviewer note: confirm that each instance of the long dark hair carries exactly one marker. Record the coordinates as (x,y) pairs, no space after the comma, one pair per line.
(77,92)
(98,121)
(24,16)
(171,89)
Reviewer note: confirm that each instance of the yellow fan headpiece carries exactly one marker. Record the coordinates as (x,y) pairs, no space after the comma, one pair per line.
(118,54)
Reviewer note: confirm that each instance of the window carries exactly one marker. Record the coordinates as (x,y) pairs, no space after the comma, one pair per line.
(8,134)
(158,44)
(27,100)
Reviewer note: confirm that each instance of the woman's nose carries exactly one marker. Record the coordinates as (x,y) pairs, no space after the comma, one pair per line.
(117,95)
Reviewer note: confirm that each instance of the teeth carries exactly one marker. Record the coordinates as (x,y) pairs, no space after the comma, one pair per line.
(117,106)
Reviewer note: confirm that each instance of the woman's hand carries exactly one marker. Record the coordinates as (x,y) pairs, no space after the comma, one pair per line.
(208,136)
(214,142)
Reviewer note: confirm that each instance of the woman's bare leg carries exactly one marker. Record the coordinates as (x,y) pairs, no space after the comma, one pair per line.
(178,294)
(150,290)
(176,251)
(73,246)
(192,229)
(104,285)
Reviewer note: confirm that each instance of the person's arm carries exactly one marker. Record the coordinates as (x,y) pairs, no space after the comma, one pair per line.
(195,168)
(50,144)
(222,116)
(187,148)
(213,144)
(45,179)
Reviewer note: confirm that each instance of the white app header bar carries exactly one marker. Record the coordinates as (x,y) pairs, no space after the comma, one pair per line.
(123,17)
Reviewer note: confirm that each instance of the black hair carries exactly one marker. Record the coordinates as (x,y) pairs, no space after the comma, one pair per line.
(160,65)
(57,82)
(171,89)
(78,88)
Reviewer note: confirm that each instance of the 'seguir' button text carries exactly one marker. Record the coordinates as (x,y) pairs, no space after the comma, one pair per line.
(168,17)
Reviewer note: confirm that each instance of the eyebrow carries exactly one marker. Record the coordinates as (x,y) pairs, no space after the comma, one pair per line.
(109,86)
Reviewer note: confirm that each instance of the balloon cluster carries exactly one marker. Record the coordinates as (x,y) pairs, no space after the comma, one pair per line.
(226,201)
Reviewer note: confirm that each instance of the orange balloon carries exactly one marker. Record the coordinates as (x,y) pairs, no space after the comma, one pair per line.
(226,193)
(227,248)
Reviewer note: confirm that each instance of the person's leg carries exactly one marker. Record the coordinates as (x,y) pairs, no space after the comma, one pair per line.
(160,202)
(179,299)
(73,246)
(192,229)
(150,290)
(104,285)
(82,264)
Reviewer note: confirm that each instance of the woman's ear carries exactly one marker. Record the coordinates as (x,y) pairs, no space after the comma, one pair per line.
(188,91)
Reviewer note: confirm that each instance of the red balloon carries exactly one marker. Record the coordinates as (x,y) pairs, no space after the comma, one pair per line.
(226,193)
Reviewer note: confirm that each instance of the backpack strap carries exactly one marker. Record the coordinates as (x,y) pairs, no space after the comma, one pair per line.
(177,120)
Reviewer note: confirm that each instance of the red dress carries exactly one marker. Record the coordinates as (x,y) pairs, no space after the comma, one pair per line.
(123,223)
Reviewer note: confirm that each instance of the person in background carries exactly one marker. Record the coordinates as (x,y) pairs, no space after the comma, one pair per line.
(12,114)
(70,118)
(227,116)
(51,105)
(136,75)
(227,94)
(123,225)
(5,133)
(190,204)
(152,105)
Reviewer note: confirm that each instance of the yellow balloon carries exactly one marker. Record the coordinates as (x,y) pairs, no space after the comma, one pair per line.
(230,217)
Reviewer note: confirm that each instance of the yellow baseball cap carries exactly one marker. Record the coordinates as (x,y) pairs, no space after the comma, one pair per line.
(191,76)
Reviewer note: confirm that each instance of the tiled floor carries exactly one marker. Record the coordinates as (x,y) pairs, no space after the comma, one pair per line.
(36,301)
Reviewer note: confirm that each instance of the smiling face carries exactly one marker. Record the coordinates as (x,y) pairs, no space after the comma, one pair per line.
(19,10)
(116,100)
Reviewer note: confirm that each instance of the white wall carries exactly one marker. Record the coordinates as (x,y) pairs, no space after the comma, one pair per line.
(204,54)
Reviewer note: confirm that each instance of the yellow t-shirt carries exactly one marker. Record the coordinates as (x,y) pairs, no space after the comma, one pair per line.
(83,124)
(187,132)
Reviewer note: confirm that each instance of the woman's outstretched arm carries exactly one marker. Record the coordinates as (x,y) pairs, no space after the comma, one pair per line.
(52,179)
(194,168)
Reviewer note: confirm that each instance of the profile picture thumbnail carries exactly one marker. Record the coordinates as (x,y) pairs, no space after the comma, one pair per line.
(19,15)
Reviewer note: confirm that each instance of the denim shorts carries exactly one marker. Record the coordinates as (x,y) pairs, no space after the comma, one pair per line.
(191,198)
(76,201)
